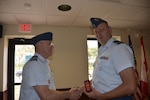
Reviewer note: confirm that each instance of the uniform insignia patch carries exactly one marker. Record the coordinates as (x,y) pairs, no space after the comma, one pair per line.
(118,42)
(34,58)
(104,57)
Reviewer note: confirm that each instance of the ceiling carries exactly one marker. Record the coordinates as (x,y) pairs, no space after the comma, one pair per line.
(124,14)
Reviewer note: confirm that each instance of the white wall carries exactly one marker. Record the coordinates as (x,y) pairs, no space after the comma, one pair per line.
(69,61)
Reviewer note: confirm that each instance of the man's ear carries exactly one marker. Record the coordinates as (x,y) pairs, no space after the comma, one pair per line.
(110,29)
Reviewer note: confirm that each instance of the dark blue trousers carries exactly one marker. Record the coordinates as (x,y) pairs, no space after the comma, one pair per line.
(124,98)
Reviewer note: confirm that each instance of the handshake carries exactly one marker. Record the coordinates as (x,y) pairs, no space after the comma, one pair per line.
(76,93)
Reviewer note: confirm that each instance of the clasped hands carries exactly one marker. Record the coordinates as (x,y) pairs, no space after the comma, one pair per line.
(76,93)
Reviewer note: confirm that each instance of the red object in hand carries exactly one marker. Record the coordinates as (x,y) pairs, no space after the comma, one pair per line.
(87,85)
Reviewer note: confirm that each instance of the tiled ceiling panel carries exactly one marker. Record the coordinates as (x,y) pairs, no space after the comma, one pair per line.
(119,13)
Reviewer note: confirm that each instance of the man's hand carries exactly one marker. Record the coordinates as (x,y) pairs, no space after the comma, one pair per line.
(93,94)
(75,94)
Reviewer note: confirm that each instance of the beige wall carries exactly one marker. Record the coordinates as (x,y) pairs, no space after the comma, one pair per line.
(1,64)
(69,61)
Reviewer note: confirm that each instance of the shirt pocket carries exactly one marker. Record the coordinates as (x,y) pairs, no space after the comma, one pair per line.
(103,65)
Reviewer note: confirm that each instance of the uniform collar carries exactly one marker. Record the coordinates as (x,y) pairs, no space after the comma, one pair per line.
(40,57)
(107,45)
(110,41)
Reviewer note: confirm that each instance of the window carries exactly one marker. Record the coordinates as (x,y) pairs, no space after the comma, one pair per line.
(22,54)
(92,46)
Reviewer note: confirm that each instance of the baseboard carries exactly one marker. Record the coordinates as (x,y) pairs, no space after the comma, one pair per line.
(3,95)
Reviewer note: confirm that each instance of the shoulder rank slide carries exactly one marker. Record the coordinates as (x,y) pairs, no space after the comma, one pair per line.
(34,58)
(118,42)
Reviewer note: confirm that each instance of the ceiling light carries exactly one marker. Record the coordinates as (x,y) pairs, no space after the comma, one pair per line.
(64,7)
(27,5)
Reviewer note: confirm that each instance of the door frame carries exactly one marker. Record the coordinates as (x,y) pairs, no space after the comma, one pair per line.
(11,64)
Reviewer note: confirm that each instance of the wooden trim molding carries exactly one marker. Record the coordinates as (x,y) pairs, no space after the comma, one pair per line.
(3,95)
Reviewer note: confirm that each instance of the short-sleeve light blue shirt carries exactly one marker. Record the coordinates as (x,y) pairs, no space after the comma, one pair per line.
(111,60)
(35,72)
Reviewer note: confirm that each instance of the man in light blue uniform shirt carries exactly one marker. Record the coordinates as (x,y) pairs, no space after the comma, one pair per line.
(37,78)
(114,75)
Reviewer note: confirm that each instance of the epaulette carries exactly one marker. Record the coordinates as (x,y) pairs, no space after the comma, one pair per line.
(34,58)
(118,42)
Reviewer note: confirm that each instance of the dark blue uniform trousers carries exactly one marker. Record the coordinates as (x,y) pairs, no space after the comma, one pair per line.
(124,98)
